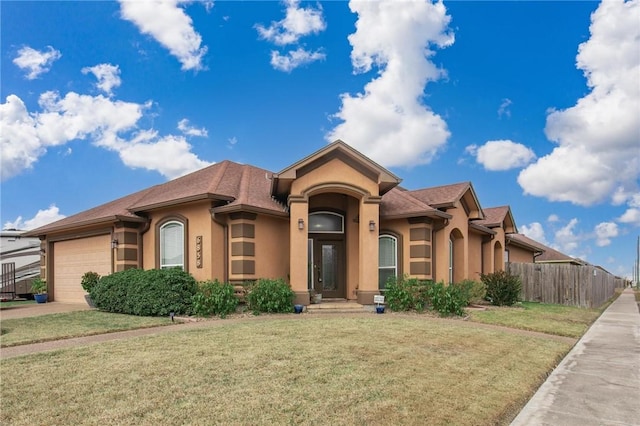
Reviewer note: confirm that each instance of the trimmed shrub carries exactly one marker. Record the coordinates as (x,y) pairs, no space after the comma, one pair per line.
(214,298)
(406,294)
(89,281)
(155,292)
(110,293)
(503,289)
(272,296)
(448,299)
(475,291)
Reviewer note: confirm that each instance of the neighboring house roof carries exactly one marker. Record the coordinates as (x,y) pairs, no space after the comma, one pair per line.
(446,196)
(551,255)
(398,203)
(497,217)
(525,242)
(548,255)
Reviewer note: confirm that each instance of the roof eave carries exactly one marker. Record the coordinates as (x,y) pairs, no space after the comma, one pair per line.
(103,220)
(176,201)
(248,208)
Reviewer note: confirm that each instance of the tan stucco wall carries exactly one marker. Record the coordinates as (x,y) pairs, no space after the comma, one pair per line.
(272,247)
(199,224)
(334,171)
(520,255)
(475,255)
(459,221)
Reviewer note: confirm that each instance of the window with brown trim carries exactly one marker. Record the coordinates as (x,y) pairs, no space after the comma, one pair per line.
(387,259)
(172,245)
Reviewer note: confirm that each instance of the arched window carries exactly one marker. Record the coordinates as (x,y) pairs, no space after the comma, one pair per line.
(326,223)
(387,259)
(172,245)
(451,255)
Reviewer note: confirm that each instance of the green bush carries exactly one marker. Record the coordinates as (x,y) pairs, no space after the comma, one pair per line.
(475,291)
(412,294)
(503,289)
(406,294)
(155,292)
(214,298)
(448,299)
(89,280)
(273,296)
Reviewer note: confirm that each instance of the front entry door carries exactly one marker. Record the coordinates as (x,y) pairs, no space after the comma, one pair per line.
(328,268)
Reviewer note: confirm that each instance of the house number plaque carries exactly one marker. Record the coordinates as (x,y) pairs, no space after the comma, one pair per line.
(199,251)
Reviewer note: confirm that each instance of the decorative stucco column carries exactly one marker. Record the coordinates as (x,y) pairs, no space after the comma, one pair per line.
(368,234)
(298,232)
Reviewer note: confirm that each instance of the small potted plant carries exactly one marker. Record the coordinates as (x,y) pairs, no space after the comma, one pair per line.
(88,282)
(39,289)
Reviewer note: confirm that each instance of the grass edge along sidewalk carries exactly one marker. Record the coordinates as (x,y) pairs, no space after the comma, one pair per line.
(379,369)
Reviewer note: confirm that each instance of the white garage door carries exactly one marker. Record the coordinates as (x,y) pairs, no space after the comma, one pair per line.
(75,257)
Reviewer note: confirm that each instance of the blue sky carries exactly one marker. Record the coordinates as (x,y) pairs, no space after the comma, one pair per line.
(536,103)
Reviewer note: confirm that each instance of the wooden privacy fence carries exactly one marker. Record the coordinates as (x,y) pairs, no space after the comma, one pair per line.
(574,285)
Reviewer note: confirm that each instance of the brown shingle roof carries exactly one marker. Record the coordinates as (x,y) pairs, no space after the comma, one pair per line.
(440,196)
(111,211)
(493,216)
(524,241)
(239,185)
(399,203)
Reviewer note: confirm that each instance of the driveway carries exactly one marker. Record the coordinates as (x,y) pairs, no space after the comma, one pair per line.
(36,309)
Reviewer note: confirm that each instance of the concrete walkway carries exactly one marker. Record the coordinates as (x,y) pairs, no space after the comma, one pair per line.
(37,309)
(598,382)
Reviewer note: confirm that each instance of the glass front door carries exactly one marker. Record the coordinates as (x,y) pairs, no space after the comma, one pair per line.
(327,268)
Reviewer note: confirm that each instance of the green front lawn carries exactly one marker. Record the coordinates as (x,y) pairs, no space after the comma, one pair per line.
(316,370)
(542,317)
(21,331)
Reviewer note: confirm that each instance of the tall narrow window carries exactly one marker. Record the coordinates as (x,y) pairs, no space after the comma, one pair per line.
(451,260)
(172,245)
(387,259)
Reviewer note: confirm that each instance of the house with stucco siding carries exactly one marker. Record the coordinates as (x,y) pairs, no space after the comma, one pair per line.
(335,221)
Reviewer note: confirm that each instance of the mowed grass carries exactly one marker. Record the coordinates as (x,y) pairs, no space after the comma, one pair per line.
(542,317)
(361,370)
(20,331)
(15,303)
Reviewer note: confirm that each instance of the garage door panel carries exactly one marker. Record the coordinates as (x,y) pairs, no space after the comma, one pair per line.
(75,257)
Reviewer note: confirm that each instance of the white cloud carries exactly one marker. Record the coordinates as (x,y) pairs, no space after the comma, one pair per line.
(108,76)
(167,22)
(232,141)
(389,122)
(294,58)
(501,155)
(105,122)
(504,108)
(566,240)
(43,217)
(534,231)
(632,214)
(597,155)
(604,232)
(19,140)
(36,62)
(298,22)
(553,218)
(150,152)
(185,128)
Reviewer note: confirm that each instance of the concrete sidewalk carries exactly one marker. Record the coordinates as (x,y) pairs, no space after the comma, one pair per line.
(598,382)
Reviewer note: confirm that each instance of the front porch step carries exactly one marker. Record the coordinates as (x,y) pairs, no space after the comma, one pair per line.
(336,306)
